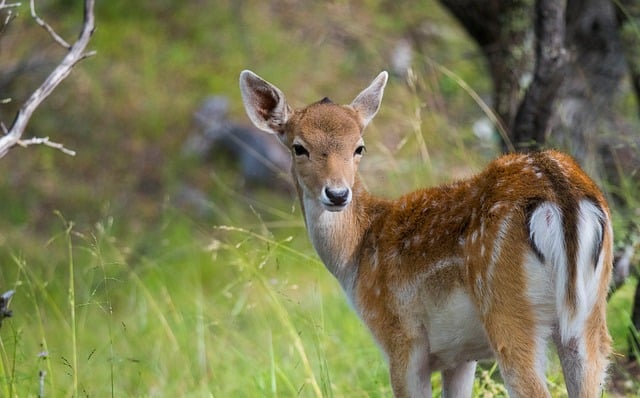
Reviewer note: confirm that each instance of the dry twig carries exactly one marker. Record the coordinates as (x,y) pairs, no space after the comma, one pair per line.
(9,13)
(76,54)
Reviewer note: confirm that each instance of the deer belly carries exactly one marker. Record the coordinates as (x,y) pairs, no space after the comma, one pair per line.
(455,332)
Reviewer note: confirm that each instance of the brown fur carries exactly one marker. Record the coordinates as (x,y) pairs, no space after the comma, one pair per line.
(420,267)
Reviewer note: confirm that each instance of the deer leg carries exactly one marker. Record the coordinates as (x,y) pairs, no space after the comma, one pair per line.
(584,358)
(571,354)
(517,356)
(410,372)
(517,336)
(458,382)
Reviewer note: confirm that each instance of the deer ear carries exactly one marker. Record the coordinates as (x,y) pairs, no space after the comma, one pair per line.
(368,101)
(265,104)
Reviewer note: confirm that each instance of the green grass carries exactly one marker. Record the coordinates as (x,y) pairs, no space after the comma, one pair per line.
(155,301)
(240,307)
(226,312)
(205,311)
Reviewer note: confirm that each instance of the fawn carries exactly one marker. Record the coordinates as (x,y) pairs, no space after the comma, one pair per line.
(492,266)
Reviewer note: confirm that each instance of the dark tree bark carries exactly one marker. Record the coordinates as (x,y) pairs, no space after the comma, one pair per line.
(628,13)
(576,86)
(536,109)
(502,30)
(585,121)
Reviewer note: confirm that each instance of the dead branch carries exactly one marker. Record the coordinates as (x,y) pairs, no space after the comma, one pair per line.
(46,142)
(48,27)
(9,13)
(76,54)
(4,5)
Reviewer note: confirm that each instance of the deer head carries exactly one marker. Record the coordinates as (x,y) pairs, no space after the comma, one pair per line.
(325,139)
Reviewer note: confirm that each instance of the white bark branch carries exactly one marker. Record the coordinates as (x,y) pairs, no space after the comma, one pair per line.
(4,4)
(9,13)
(46,142)
(48,27)
(76,54)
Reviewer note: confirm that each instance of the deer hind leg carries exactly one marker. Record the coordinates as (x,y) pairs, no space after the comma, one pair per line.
(458,382)
(519,342)
(510,288)
(516,313)
(584,358)
(583,343)
(521,353)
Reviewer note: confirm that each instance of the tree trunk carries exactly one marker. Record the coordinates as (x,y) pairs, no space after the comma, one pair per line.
(502,31)
(536,109)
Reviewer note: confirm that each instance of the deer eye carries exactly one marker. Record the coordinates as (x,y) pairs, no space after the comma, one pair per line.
(299,150)
(360,150)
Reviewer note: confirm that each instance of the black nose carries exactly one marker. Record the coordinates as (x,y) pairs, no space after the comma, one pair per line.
(338,197)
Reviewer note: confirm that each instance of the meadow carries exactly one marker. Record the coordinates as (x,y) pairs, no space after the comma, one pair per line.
(122,291)
(206,310)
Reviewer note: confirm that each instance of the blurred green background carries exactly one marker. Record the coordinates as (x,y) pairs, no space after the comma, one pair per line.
(126,288)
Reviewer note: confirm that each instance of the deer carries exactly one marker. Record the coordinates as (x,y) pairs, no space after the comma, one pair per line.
(496,266)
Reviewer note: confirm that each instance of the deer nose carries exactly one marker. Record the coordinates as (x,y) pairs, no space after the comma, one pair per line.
(337,196)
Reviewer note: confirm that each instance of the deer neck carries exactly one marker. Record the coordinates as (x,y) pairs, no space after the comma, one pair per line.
(337,236)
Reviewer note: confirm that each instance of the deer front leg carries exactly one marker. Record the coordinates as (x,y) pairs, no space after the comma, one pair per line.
(458,382)
(409,368)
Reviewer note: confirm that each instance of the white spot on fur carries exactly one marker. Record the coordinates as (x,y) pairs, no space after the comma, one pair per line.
(497,207)
(375,257)
(417,240)
(482,228)
(474,237)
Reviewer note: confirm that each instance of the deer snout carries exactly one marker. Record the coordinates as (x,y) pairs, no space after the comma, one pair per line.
(335,198)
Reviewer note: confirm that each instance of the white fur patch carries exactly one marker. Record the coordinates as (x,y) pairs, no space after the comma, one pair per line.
(321,226)
(455,331)
(540,293)
(590,237)
(548,236)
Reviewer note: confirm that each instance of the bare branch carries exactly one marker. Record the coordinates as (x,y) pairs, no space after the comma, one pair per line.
(48,27)
(4,4)
(76,54)
(9,13)
(46,142)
